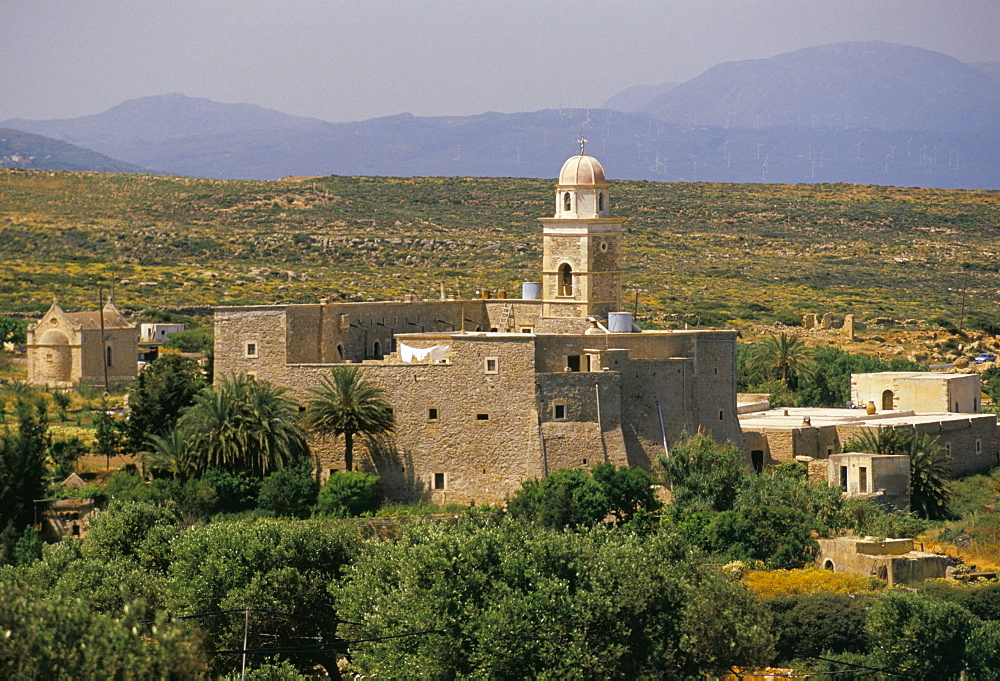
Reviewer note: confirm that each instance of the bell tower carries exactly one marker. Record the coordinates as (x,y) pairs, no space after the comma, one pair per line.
(581,261)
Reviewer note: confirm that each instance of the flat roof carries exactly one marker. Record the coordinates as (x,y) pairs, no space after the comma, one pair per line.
(793,417)
(919,375)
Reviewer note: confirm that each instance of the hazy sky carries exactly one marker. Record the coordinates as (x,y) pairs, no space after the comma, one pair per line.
(349,60)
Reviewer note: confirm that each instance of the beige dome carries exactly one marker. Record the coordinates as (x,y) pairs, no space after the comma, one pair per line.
(582,170)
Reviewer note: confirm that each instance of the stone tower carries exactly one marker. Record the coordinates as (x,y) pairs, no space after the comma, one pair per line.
(581,261)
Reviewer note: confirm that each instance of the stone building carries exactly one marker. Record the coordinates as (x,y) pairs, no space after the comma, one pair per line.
(69,348)
(971,442)
(884,477)
(489,392)
(923,392)
(893,560)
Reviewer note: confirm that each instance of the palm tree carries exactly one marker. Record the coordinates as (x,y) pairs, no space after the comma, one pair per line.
(930,489)
(168,452)
(783,355)
(346,403)
(243,424)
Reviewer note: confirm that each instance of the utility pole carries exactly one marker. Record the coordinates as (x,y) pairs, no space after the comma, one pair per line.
(965,289)
(104,348)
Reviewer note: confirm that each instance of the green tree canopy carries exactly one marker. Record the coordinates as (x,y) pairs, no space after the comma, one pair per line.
(783,356)
(348,404)
(703,474)
(13,331)
(348,494)
(158,396)
(22,473)
(290,491)
(501,599)
(919,635)
(628,491)
(243,424)
(566,498)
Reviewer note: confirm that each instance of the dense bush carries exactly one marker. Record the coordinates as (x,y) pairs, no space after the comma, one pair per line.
(508,600)
(290,491)
(566,498)
(347,494)
(812,624)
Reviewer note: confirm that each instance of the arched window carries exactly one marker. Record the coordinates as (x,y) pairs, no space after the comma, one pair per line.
(567,201)
(377,350)
(340,352)
(108,355)
(565,280)
(600,202)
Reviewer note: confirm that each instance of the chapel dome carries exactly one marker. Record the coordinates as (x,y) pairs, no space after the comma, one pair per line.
(582,170)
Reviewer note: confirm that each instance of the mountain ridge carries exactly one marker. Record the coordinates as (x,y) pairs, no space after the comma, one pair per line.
(735,122)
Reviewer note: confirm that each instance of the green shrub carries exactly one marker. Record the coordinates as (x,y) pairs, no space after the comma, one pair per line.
(291,491)
(812,624)
(567,498)
(349,494)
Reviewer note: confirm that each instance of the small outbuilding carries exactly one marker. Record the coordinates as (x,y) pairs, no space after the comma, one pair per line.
(893,560)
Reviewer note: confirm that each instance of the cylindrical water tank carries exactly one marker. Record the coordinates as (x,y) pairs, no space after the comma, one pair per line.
(620,322)
(531,290)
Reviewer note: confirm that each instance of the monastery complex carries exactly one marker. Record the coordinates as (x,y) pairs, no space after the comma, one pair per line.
(489,392)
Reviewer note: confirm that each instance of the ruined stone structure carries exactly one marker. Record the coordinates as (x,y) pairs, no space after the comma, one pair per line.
(893,560)
(489,392)
(68,348)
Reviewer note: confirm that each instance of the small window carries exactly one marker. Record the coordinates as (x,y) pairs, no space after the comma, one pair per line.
(482,417)
(559,411)
(863,479)
(600,204)
(491,365)
(979,446)
(527,329)
(107,357)
(251,349)
(439,481)
(604,246)
(432,414)
(573,363)
(721,415)
(947,449)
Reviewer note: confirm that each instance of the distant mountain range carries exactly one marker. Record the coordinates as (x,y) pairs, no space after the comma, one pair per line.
(23,150)
(873,113)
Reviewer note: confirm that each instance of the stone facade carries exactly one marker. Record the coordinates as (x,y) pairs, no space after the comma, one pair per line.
(67,348)
(469,431)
